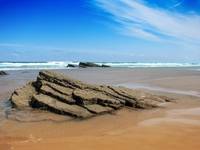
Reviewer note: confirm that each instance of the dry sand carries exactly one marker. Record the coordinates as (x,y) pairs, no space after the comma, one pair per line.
(174,126)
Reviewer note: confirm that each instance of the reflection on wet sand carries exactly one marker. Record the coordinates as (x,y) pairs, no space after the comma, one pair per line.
(182,116)
(161,89)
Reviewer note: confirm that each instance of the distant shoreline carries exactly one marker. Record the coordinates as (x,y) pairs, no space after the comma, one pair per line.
(5,66)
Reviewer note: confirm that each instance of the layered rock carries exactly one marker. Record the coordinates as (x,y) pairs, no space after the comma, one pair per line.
(60,94)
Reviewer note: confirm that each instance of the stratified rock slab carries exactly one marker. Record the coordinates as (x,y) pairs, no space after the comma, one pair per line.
(54,93)
(98,109)
(60,94)
(48,103)
(87,96)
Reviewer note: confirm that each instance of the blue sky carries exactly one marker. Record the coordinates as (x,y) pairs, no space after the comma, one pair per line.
(100,30)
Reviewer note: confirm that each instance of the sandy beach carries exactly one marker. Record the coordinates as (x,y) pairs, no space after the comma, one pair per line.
(172,126)
(99,75)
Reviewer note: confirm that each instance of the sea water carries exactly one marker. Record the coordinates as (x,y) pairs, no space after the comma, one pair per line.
(63,65)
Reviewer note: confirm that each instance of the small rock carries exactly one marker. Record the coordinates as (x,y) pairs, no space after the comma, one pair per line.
(72,65)
(3,73)
(105,66)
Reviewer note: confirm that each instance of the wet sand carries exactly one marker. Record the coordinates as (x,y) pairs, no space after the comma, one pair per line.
(173,126)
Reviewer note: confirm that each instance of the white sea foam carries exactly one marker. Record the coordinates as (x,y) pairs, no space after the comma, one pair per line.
(34,65)
(63,65)
(135,65)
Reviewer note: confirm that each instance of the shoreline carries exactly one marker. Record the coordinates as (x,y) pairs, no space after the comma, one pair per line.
(56,65)
(152,129)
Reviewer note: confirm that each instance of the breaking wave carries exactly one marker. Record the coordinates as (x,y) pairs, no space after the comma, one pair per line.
(63,65)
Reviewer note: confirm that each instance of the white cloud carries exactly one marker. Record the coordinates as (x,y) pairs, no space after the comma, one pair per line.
(140,20)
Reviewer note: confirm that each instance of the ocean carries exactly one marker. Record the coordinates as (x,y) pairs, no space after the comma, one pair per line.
(63,65)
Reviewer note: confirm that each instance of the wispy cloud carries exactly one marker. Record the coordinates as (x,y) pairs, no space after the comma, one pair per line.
(178,4)
(138,19)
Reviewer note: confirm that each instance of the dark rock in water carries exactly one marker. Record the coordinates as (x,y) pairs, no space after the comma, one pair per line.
(72,65)
(60,94)
(3,73)
(104,66)
(88,64)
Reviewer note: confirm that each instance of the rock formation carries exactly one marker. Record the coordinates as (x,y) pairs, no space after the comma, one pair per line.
(60,94)
(72,65)
(3,73)
(104,66)
(85,65)
(90,64)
